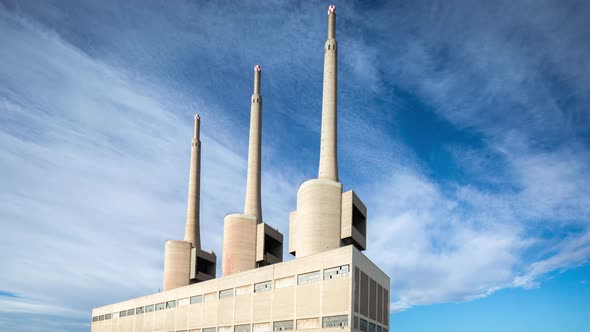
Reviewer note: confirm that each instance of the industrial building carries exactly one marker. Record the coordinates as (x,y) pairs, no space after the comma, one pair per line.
(329,285)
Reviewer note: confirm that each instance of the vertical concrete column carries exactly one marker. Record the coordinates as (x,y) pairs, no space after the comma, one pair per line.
(253,205)
(329,136)
(192,232)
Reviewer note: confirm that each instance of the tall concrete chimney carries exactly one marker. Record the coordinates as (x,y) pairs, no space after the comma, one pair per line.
(239,230)
(316,225)
(253,206)
(328,149)
(247,241)
(184,261)
(192,232)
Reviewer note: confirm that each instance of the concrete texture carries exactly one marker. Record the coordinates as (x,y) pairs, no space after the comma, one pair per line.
(315,226)
(269,245)
(241,246)
(307,292)
(182,268)
(177,258)
(318,217)
(191,233)
(328,148)
(253,205)
(353,227)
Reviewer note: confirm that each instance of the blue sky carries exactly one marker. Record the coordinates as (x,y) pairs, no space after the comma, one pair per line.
(463,125)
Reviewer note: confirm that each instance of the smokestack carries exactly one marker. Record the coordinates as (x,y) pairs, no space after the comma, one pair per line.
(192,233)
(316,224)
(328,149)
(240,230)
(253,205)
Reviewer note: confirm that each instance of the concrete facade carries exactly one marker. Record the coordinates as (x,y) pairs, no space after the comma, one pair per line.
(337,289)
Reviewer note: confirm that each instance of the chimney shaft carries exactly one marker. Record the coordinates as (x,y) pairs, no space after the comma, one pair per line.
(192,232)
(329,135)
(253,205)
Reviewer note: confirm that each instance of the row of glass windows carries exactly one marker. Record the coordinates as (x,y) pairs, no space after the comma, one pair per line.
(306,278)
(369,327)
(285,325)
(140,310)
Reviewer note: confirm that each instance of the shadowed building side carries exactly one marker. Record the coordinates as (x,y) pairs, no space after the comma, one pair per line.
(247,241)
(326,218)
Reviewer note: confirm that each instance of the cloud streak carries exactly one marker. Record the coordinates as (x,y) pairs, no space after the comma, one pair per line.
(95,116)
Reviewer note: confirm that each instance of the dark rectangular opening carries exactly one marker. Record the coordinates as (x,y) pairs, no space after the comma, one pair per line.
(359,221)
(205,266)
(272,246)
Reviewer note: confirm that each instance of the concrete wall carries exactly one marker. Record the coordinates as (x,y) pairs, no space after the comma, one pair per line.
(177,259)
(305,291)
(317,219)
(239,244)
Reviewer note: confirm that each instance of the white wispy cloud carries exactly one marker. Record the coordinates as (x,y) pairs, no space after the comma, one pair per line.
(94,168)
(94,142)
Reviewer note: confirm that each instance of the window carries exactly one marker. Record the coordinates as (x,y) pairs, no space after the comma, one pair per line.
(101,317)
(335,321)
(242,328)
(160,306)
(95,319)
(226,293)
(183,302)
(363,325)
(371,327)
(286,325)
(149,308)
(139,310)
(379,328)
(209,329)
(307,278)
(107,316)
(171,304)
(123,313)
(336,272)
(197,299)
(115,315)
(262,286)
(130,312)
